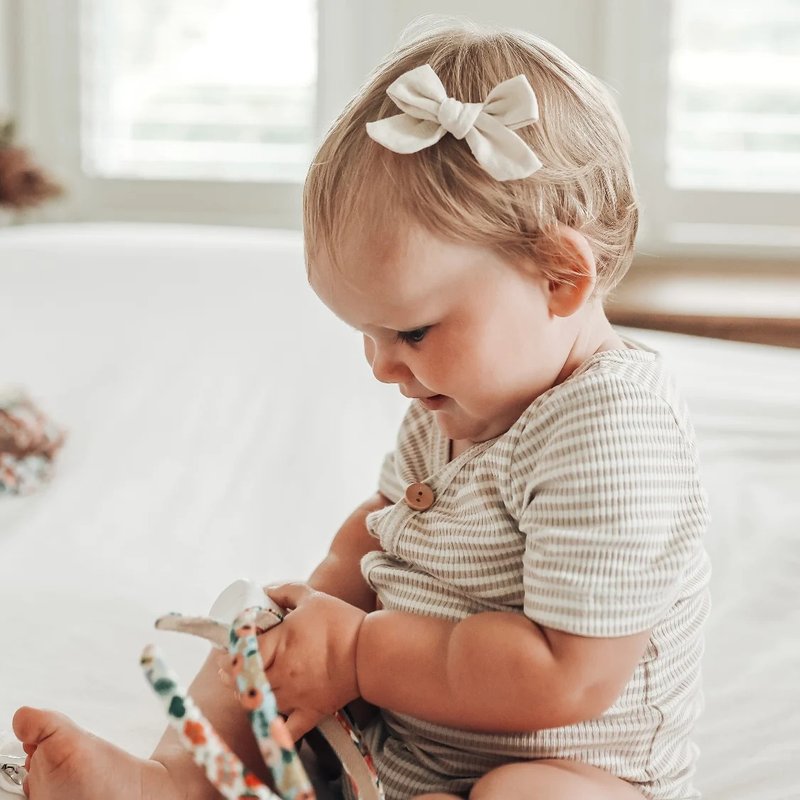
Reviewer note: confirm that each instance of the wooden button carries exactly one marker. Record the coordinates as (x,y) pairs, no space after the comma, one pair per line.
(419,496)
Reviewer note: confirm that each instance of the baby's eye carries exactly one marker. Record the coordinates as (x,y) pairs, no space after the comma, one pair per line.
(413,337)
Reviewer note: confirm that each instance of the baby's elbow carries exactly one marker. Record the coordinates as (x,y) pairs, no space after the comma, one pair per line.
(571,706)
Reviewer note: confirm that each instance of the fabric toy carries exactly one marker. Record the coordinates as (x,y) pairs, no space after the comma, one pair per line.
(28,443)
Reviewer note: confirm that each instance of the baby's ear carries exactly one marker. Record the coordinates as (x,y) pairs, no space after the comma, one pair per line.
(570,255)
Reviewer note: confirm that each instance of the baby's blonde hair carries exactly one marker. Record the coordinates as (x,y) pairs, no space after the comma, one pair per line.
(356,186)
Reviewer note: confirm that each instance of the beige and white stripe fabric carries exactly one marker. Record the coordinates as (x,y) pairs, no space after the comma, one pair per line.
(587,516)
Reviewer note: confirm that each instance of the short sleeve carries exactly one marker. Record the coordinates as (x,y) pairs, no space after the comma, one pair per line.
(612,518)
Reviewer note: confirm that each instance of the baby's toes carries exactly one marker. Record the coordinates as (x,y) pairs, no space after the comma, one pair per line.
(52,736)
(33,725)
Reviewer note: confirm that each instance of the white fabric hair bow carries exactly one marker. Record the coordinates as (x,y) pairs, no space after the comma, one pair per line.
(488,127)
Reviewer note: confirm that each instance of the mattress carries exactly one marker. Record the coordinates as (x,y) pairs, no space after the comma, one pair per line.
(222,424)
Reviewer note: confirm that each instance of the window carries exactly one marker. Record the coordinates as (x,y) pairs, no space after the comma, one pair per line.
(198,89)
(209,110)
(200,111)
(710,93)
(734,98)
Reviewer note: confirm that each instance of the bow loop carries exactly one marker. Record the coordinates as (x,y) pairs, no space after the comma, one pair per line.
(513,103)
(488,127)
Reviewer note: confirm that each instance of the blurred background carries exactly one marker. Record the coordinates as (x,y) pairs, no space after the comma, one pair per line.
(209,111)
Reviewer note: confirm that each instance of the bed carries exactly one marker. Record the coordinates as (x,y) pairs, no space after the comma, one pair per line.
(186,364)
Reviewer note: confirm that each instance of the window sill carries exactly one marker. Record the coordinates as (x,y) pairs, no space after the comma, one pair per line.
(747,301)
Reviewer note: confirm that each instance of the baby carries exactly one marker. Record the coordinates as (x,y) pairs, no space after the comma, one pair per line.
(522,600)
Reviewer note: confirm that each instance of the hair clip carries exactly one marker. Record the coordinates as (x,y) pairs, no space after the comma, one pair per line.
(487,127)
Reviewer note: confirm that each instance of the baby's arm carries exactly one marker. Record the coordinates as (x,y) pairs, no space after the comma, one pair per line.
(339,573)
(494,671)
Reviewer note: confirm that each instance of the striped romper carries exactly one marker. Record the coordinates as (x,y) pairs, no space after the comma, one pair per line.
(587,516)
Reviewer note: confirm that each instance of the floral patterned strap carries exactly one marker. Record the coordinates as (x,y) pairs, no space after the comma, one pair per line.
(272,735)
(222,767)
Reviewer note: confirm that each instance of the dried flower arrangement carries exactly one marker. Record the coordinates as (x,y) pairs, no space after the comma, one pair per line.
(23,183)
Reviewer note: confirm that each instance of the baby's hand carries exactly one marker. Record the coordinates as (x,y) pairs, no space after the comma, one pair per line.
(299,722)
(310,658)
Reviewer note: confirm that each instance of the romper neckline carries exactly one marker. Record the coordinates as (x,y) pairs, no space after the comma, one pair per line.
(634,351)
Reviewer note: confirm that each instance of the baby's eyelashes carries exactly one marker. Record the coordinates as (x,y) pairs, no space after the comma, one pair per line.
(413,337)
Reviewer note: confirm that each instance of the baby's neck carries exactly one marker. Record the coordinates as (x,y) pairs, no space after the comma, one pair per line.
(594,335)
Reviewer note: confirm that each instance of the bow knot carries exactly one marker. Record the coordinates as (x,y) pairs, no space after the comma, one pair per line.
(488,127)
(456,117)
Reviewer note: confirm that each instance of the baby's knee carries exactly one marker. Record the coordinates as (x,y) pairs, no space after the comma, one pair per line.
(520,781)
(495,784)
(551,779)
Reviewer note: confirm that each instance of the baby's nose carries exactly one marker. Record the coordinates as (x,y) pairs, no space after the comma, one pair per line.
(386,367)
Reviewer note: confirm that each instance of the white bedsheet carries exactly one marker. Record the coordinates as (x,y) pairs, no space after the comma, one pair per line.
(222,424)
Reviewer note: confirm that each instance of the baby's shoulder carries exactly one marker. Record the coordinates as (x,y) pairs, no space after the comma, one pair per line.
(613,394)
(604,423)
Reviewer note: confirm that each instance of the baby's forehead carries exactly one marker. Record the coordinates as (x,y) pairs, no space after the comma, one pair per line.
(410,262)
(398,283)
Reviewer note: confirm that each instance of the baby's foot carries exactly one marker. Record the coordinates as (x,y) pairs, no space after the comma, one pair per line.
(67,763)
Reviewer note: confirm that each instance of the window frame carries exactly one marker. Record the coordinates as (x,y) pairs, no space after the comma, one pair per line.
(46,104)
(704,222)
(43,44)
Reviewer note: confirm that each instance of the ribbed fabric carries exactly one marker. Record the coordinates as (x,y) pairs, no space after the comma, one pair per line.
(587,516)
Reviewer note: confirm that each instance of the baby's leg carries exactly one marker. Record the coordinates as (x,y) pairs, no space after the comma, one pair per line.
(548,779)
(228,718)
(68,763)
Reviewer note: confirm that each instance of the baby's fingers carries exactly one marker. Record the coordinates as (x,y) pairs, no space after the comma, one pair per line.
(300,722)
